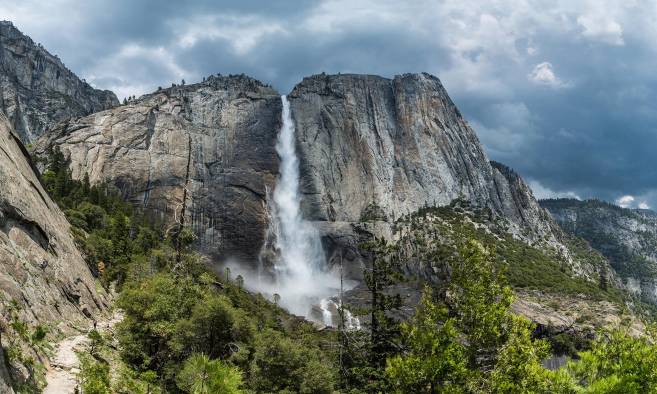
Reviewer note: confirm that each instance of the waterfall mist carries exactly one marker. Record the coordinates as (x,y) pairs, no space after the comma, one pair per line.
(296,267)
(300,273)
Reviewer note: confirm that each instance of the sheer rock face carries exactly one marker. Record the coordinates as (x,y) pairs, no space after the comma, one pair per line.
(627,237)
(400,144)
(217,138)
(37,90)
(40,266)
(369,148)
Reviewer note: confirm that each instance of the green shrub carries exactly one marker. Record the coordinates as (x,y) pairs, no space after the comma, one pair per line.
(94,376)
(280,364)
(200,375)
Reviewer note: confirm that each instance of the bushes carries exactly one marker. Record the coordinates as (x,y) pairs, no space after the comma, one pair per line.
(94,376)
(153,308)
(216,327)
(280,364)
(618,363)
(200,375)
(170,318)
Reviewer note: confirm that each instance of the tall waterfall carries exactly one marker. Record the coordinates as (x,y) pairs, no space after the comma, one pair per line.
(293,248)
(301,277)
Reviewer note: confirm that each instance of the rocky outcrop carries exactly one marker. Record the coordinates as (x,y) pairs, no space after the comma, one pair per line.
(37,90)
(396,145)
(627,237)
(40,267)
(206,149)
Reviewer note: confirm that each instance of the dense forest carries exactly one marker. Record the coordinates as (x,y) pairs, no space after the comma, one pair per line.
(187,329)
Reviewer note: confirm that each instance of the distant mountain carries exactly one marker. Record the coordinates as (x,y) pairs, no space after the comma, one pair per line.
(627,237)
(37,90)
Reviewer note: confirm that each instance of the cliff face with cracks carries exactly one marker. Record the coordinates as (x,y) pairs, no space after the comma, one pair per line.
(40,267)
(370,149)
(377,147)
(37,90)
(207,150)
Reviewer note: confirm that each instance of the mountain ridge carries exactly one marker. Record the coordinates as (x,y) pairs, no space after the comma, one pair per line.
(400,142)
(37,90)
(627,237)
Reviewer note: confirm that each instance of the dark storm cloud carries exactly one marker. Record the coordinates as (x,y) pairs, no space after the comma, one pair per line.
(563,91)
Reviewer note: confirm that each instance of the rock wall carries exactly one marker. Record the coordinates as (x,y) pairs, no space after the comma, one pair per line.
(369,144)
(37,90)
(40,266)
(5,377)
(370,150)
(400,143)
(627,237)
(216,139)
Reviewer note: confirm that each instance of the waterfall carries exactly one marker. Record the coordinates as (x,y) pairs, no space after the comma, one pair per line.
(301,275)
(292,261)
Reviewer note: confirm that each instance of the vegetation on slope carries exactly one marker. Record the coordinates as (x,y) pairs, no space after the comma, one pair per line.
(189,330)
(435,234)
(628,262)
(185,329)
(469,342)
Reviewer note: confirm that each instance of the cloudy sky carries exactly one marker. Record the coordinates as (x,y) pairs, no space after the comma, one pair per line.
(564,91)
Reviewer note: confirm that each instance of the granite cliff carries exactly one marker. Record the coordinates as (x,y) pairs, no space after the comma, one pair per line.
(37,90)
(43,277)
(204,151)
(41,267)
(370,150)
(627,237)
(400,143)
(377,148)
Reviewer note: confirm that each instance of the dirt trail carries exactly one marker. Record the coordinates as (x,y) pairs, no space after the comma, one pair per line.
(61,378)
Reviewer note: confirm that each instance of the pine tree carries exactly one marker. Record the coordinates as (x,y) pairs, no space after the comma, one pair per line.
(364,353)
(200,375)
(435,358)
(384,330)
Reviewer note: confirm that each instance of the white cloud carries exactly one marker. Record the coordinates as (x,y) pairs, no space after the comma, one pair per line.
(543,74)
(541,192)
(601,28)
(243,32)
(629,201)
(129,69)
(625,201)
